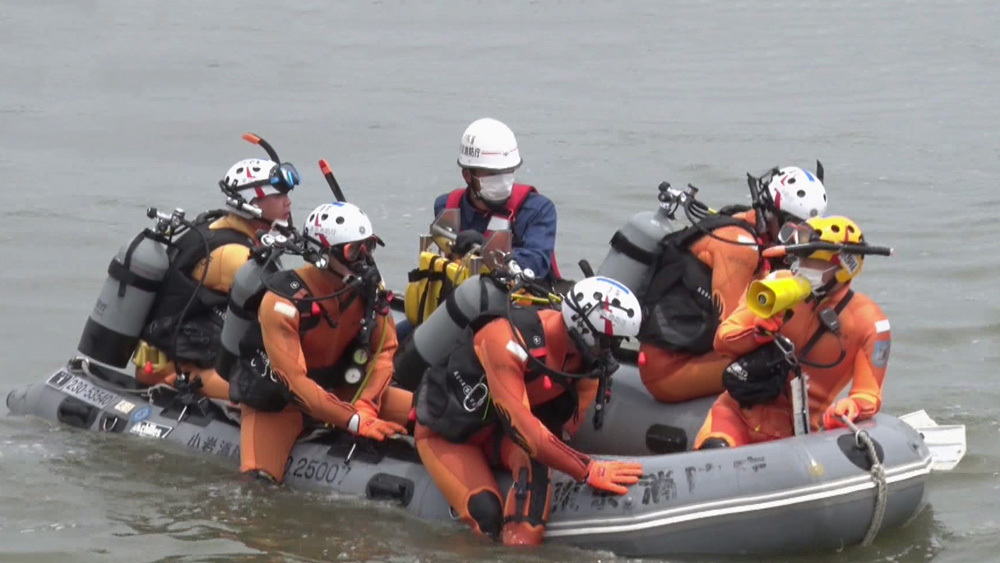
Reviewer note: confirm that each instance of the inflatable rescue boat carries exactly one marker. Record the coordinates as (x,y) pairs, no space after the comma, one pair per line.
(813,492)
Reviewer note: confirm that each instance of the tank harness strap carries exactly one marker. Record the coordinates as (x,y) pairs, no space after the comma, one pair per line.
(120,271)
(823,329)
(243,313)
(455,311)
(484,297)
(621,243)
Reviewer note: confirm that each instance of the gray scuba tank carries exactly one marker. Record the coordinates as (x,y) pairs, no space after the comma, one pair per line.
(241,311)
(134,276)
(634,247)
(441,334)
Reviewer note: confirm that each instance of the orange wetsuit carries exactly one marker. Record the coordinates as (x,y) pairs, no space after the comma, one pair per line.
(463,471)
(674,377)
(857,356)
(267,438)
(219,270)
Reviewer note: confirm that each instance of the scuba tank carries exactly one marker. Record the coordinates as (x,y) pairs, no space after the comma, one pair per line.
(134,277)
(441,334)
(634,246)
(244,298)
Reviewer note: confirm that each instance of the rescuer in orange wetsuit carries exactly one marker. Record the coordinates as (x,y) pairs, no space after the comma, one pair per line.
(263,184)
(324,349)
(700,278)
(502,402)
(850,347)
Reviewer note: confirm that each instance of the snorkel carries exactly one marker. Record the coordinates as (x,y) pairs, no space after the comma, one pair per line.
(283,177)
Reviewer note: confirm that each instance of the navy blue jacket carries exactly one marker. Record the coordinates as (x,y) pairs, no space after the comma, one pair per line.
(534,230)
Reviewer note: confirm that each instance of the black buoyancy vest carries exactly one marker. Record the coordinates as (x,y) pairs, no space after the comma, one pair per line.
(454,401)
(679,311)
(178,286)
(760,376)
(252,382)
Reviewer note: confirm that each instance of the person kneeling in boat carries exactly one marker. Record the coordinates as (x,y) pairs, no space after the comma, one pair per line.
(700,277)
(839,337)
(517,388)
(491,201)
(229,236)
(323,348)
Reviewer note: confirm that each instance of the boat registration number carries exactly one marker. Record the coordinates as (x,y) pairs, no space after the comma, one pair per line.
(81,389)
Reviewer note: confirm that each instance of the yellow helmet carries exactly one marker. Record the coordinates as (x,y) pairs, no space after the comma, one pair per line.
(838,230)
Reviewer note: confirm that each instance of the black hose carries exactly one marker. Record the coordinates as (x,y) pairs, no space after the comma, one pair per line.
(847,248)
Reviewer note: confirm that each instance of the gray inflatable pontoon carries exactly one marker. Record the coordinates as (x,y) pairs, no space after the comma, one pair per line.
(805,493)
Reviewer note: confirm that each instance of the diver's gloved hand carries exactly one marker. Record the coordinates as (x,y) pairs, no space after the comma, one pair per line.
(367,424)
(611,476)
(765,329)
(466,240)
(847,408)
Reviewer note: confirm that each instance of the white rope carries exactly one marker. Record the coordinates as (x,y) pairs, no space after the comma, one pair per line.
(877,472)
(83,364)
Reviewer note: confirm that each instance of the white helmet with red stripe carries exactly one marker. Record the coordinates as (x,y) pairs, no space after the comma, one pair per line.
(335,224)
(798,192)
(488,144)
(603,307)
(255,178)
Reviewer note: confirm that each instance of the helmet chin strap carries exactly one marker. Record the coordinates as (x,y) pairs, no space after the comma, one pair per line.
(827,288)
(597,361)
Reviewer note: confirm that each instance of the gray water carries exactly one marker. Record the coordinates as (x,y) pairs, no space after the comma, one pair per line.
(107,107)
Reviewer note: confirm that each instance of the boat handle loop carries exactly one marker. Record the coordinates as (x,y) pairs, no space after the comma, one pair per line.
(864,441)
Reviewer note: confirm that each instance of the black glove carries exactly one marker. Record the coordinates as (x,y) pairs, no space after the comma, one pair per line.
(465,240)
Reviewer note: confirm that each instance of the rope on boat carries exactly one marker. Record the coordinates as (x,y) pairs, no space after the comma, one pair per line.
(863,440)
(83,364)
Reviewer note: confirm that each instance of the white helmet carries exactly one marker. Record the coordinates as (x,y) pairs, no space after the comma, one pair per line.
(255,178)
(602,305)
(338,223)
(490,145)
(798,192)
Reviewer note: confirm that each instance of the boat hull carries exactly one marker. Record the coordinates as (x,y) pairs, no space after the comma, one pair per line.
(805,493)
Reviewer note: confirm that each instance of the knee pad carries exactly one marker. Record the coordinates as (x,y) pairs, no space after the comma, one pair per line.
(486,510)
(530,496)
(713,443)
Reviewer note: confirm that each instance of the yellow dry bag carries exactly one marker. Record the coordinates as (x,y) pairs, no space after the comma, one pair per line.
(430,284)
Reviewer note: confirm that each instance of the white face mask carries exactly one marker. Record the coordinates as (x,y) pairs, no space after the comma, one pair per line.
(815,276)
(496,188)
